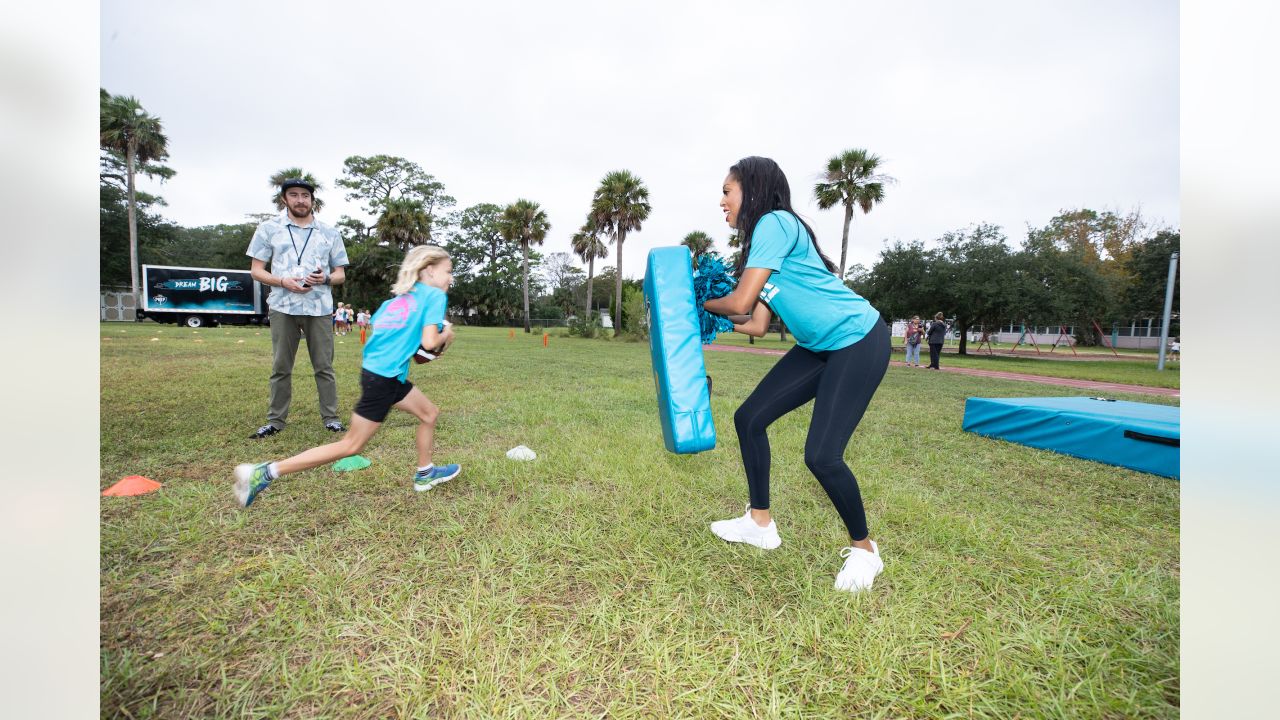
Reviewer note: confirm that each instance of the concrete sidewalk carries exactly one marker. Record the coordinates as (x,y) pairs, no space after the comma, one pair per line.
(1024,377)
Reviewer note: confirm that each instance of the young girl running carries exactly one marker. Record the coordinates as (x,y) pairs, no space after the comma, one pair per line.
(414,317)
(840,356)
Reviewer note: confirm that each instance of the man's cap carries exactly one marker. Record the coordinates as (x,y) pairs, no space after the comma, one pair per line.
(297,183)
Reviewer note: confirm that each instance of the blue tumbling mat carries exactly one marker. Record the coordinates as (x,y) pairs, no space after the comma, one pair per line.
(1138,436)
(675,343)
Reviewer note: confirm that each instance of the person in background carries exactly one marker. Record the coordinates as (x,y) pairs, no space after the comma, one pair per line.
(362,321)
(914,338)
(936,334)
(340,319)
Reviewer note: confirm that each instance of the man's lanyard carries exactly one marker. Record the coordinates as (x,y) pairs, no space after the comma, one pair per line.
(295,244)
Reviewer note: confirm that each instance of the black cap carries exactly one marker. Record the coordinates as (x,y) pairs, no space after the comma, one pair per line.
(297,183)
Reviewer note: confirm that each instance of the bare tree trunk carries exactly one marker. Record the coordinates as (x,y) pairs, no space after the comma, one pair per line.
(526,286)
(782,330)
(617,296)
(844,241)
(133,234)
(591,266)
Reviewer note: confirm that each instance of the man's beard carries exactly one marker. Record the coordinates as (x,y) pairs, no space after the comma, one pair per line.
(300,215)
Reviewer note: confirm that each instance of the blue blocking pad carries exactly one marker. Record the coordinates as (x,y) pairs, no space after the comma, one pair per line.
(1138,436)
(675,342)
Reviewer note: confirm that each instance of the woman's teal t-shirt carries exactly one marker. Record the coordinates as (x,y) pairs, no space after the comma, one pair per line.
(822,312)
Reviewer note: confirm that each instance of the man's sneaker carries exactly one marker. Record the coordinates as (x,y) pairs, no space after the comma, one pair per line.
(745,530)
(860,568)
(435,476)
(250,480)
(264,431)
(334,426)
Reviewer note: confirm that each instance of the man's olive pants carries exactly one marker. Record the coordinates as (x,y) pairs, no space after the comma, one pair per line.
(286,331)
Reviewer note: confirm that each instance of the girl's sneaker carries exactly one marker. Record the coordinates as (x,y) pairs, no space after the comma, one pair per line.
(860,568)
(745,530)
(435,476)
(250,480)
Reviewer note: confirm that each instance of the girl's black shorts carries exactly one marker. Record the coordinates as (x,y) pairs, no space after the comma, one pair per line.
(378,394)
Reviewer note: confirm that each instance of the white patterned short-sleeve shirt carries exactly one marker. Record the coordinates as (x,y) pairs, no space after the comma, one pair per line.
(294,251)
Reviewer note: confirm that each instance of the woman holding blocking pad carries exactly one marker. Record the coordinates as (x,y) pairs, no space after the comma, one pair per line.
(840,357)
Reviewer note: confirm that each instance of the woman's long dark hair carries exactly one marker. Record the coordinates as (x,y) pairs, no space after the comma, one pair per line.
(764,189)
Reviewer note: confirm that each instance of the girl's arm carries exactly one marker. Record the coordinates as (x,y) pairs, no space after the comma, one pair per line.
(432,338)
(744,296)
(758,325)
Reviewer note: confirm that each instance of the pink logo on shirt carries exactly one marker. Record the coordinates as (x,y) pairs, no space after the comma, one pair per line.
(397,313)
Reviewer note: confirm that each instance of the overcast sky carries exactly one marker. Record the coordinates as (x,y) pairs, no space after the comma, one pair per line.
(1000,112)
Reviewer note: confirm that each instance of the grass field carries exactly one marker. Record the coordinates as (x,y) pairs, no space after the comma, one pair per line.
(1018,583)
(1104,368)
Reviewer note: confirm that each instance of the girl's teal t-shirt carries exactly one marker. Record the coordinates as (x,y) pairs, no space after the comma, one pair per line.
(819,310)
(397,330)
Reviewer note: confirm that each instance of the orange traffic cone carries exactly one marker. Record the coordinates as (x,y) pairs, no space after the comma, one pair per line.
(132,485)
(544,339)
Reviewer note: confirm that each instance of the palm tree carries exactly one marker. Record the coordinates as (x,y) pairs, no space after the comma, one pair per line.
(296,172)
(524,221)
(699,244)
(620,204)
(126,129)
(404,223)
(588,246)
(851,180)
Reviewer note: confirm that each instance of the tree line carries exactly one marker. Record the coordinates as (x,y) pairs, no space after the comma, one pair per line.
(403,205)
(491,244)
(1083,266)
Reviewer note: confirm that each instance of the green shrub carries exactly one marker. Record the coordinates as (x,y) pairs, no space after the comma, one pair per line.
(584,326)
(635,318)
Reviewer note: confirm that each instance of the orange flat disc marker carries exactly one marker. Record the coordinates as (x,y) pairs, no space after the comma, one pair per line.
(132,485)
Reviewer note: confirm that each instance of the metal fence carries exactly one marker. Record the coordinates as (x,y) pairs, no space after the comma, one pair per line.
(536,322)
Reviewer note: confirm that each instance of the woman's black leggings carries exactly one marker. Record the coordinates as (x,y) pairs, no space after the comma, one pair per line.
(841,383)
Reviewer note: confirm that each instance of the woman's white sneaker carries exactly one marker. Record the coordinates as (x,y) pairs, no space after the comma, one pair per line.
(745,530)
(860,568)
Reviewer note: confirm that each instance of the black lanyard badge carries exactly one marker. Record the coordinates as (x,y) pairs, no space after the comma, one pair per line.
(294,242)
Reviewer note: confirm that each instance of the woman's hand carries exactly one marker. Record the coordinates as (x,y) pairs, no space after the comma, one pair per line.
(744,296)
(758,324)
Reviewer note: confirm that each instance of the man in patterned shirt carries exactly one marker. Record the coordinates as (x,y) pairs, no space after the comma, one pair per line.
(307,258)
